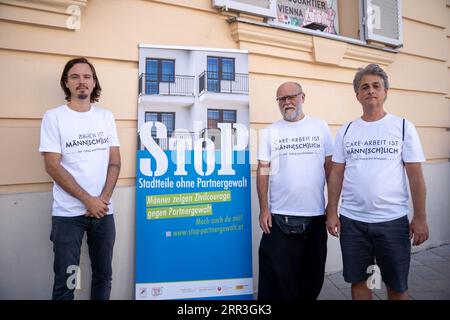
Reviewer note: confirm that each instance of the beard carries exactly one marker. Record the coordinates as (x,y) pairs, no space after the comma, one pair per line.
(292,114)
(82,96)
(82,92)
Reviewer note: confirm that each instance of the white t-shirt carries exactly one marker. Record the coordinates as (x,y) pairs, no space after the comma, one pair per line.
(374,187)
(83,139)
(296,151)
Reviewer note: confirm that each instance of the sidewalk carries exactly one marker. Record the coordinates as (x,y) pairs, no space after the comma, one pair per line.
(429,278)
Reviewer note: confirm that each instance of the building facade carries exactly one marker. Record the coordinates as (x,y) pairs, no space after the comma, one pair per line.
(191,91)
(410,39)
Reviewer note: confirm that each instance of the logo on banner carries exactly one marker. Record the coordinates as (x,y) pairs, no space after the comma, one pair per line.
(143,292)
(157,291)
(179,146)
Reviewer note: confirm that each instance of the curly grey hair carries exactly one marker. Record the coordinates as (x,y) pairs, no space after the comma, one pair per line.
(372,69)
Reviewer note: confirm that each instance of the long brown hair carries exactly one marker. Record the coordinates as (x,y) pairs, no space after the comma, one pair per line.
(95,94)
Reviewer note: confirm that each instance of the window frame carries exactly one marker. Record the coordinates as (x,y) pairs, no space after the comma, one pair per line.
(220,120)
(225,5)
(159,71)
(220,78)
(158,74)
(364,40)
(368,35)
(159,116)
(220,68)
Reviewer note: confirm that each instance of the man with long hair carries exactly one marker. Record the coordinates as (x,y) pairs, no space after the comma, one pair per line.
(80,147)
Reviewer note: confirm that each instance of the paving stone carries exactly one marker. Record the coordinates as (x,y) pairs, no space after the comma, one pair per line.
(439,285)
(331,293)
(441,267)
(338,280)
(426,257)
(429,295)
(347,292)
(380,295)
(418,283)
(443,252)
(415,262)
(427,273)
(327,283)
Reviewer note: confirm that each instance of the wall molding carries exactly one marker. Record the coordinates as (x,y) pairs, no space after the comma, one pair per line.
(258,39)
(61,14)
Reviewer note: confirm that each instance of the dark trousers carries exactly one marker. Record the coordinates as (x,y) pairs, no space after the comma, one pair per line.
(292,267)
(67,235)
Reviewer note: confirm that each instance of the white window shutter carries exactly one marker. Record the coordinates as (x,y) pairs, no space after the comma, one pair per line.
(264,8)
(382,21)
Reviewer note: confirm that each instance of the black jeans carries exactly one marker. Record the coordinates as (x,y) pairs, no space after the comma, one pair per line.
(292,266)
(67,235)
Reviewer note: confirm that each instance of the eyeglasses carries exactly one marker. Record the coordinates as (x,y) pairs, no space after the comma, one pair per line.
(290,97)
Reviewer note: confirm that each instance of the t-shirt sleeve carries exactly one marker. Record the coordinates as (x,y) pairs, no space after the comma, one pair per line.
(50,140)
(264,146)
(328,140)
(338,150)
(113,137)
(412,148)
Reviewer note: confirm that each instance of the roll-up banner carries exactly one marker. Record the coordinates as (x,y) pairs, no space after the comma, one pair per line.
(193,216)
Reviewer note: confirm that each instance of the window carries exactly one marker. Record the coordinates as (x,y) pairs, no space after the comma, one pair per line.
(168,119)
(156,71)
(315,15)
(265,8)
(219,68)
(382,21)
(361,20)
(216,116)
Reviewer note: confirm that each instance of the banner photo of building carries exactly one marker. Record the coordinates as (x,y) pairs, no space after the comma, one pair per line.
(193,215)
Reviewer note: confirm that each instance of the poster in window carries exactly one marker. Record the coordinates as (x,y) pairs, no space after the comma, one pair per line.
(312,14)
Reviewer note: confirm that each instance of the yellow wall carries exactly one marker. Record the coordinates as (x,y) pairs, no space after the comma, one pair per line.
(34,45)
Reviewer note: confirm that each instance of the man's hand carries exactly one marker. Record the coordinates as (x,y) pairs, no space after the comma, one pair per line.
(96,207)
(334,184)
(333,223)
(418,231)
(265,221)
(262,186)
(418,228)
